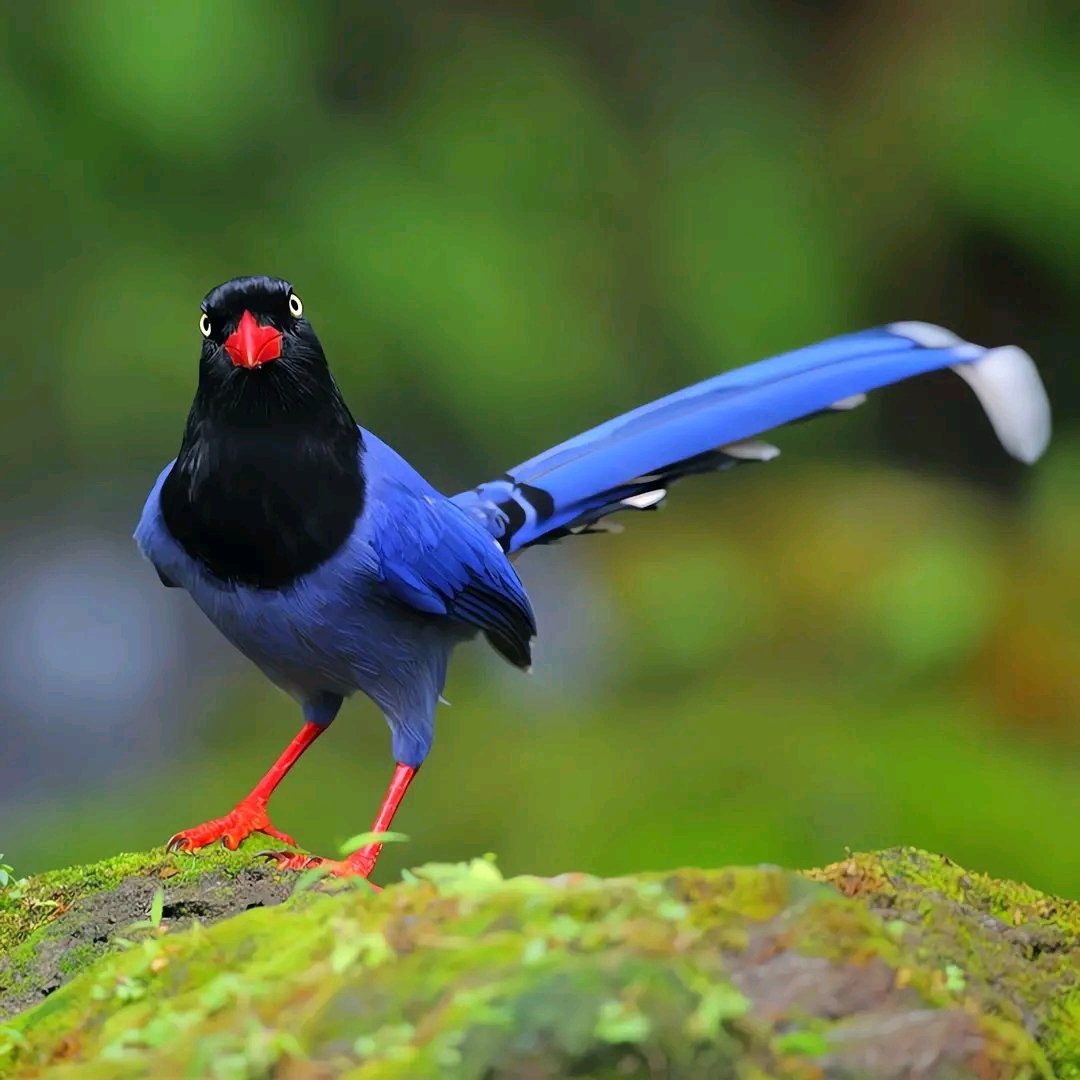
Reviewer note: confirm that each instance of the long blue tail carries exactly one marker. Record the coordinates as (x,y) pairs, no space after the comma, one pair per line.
(629,462)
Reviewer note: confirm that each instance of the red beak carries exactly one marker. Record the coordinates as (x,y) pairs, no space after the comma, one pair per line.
(250,344)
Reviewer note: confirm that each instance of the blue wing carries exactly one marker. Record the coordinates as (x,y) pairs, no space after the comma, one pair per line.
(630,461)
(435,558)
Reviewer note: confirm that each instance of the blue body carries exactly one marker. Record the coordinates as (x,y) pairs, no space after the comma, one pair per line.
(345,626)
(383,614)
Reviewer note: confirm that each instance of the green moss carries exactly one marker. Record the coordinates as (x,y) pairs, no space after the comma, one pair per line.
(59,923)
(971,937)
(750,972)
(51,894)
(78,958)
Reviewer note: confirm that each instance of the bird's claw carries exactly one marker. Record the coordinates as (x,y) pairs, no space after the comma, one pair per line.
(230,830)
(290,860)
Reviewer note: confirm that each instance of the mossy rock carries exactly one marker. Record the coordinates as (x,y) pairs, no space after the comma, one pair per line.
(897,964)
(58,923)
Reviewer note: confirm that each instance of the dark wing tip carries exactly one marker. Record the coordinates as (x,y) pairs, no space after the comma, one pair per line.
(515,649)
(502,613)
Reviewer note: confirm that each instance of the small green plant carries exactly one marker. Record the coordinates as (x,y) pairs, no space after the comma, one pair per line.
(354,843)
(12,889)
(153,919)
(152,922)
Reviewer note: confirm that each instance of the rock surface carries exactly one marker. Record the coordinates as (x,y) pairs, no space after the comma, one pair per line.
(897,964)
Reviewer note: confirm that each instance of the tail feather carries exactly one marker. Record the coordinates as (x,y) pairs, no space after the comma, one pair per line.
(629,462)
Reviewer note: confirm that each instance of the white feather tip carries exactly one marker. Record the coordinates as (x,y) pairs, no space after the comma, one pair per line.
(750,450)
(645,500)
(1005,381)
(926,334)
(1007,384)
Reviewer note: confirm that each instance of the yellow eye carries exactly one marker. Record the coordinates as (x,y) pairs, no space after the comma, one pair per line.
(295,306)
(204,324)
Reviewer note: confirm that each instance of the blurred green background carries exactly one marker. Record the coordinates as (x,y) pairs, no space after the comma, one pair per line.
(508,222)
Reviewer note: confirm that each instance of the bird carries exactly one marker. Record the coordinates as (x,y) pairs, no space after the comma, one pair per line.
(326,559)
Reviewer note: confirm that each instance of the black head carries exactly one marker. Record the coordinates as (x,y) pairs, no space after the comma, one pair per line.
(269,480)
(258,348)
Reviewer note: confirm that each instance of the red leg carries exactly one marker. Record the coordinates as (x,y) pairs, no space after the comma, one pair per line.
(362,861)
(249,815)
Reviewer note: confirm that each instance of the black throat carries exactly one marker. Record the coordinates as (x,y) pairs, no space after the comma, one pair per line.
(269,480)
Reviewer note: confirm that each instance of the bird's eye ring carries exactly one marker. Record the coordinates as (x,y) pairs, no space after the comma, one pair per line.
(296,308)
(204,324)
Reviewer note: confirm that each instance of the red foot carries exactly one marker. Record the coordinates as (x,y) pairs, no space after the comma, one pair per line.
(247,817)
(359,864)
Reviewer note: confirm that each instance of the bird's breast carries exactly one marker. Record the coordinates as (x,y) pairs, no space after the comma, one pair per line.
(259,515)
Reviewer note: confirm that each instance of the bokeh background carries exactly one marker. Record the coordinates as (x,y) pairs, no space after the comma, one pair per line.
(508,222)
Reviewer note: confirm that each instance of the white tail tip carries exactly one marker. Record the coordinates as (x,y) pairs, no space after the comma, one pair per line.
(1007,384)
(1005,381)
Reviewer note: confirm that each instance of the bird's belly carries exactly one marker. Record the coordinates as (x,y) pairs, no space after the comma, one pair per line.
(303,646)
(310,641)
